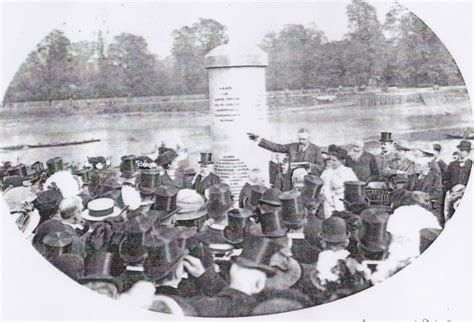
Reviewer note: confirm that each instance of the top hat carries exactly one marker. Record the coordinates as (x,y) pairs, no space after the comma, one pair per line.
(45,228)
(271,224)
(373,235)
(131,248)
(427,237)
(213,237)
(354,191)
(84,174)
(464,145)
(103,266)
(257,252)
(271,197)
(292,209)
(18,170)
(149,180)
(165,198)
(54,165)
(206,158)
(256,192)
(385,137)
(219,201)
(128,165)
(57,243)
(238,220)
(47,202)
(334,230)
(166,157)
(312,187)
(164,252)
(70,264)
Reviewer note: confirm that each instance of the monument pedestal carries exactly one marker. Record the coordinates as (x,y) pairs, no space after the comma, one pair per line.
(237,98)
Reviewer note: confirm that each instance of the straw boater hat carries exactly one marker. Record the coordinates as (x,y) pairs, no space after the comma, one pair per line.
(100,209)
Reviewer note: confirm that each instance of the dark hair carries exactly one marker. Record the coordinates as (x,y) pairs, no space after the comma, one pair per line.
(198,222)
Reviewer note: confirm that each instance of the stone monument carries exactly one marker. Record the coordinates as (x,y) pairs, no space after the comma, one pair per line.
(237,98)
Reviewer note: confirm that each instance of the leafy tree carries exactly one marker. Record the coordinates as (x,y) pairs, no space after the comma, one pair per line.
(190,45)
(293,54)
(365,60)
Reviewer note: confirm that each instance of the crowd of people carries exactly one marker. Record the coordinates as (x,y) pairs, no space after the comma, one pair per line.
(155,233)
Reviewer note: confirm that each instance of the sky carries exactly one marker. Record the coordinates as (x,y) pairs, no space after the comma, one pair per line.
(25,24)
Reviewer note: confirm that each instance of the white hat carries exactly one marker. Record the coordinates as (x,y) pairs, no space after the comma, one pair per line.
(100,209)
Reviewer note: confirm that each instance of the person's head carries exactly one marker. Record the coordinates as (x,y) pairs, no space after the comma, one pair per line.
(464,148)
(206,169)
(422,165)
(337,157)
(455,155)
(70,210)
(247,280)
(297,177)
(356,149)
(303,137)
(386,147)
(198,222)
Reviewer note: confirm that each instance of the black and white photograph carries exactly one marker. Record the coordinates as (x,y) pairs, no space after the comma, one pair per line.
(231,159)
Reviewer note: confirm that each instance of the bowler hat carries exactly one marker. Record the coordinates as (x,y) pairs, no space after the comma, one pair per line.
(256,192)
(70,264)
(54,165)
(292,209)
(373,235)
(128,166)
(334,230)
(257,252)
(312,187)
(103,266)
(272,225)
(47,202)
(165,198)
(220,200)
(427,237)
(131,248)
(464,145)
(354,192)
(164,252)
(385,137)
(18,170)
(271,197)
(238,219)
(166,157)
(57,243)
(206,158)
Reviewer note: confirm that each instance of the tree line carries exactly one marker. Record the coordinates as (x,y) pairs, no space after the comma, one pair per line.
(403,51)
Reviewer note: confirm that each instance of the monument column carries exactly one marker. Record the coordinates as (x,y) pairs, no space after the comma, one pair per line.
(237,99)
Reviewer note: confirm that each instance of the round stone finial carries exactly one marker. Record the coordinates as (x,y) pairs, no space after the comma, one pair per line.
(236,55)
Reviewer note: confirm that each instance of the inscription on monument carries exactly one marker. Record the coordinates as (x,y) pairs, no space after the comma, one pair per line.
(226,105)
(233,171)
